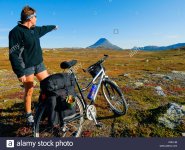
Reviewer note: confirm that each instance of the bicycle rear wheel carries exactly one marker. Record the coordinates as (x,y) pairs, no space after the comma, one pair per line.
(114,97)
(71,126)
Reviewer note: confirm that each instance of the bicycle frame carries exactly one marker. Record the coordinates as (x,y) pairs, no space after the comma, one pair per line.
(102,76)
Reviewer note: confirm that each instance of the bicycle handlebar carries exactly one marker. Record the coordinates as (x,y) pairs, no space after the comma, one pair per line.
(97,63)
(102,60)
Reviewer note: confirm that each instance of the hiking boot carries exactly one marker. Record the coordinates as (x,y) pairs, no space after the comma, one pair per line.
(29,119)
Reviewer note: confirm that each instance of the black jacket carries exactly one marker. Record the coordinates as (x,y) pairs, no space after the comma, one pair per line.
(24,47)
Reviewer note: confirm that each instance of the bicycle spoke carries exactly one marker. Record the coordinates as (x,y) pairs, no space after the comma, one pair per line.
(114,97)
(71,128)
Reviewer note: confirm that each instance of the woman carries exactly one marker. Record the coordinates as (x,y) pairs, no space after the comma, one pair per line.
(25,54)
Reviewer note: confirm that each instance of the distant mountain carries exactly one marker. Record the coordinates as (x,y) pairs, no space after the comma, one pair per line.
(159,48)
(104,44)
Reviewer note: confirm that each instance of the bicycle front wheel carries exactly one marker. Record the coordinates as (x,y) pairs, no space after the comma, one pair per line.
(114,97)
(71,126)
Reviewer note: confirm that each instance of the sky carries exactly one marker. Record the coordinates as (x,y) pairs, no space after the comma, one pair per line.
(125,23)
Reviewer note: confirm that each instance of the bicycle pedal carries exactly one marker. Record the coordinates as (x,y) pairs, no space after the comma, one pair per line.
(99,125)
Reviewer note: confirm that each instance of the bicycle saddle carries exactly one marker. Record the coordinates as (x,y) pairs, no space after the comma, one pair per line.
(68,64)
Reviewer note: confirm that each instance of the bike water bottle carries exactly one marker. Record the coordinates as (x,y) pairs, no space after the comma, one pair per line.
(92,92)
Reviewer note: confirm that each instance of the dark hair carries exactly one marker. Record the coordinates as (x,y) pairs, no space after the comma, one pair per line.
(26,12)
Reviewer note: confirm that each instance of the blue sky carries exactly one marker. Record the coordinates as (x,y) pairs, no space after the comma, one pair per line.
(126,23)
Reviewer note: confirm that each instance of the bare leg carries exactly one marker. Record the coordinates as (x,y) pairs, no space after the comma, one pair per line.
(29,88)
(28,92)
(42,75)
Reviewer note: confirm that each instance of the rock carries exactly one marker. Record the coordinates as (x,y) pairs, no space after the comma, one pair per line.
(166,122)
(147,60)
(146,81)
(159,75)
(126,75)
(168,78)
(5,101)
(180,75)
(172,117)
(180,72)
(138,84)
(158,88)
(183,108)
(159,91)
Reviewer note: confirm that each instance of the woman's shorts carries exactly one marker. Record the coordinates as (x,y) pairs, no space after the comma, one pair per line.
(35,69)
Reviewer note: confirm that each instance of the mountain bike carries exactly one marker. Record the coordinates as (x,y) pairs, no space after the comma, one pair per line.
(72,125)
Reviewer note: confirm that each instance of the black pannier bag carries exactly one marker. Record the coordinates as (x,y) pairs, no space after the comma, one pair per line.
(54,91)
(57,81)
(94,70)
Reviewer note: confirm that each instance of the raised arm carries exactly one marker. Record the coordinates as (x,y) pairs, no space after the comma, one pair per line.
(44,29)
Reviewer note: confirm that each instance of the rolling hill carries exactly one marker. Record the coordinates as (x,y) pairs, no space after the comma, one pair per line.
(104,44)
(159,48)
